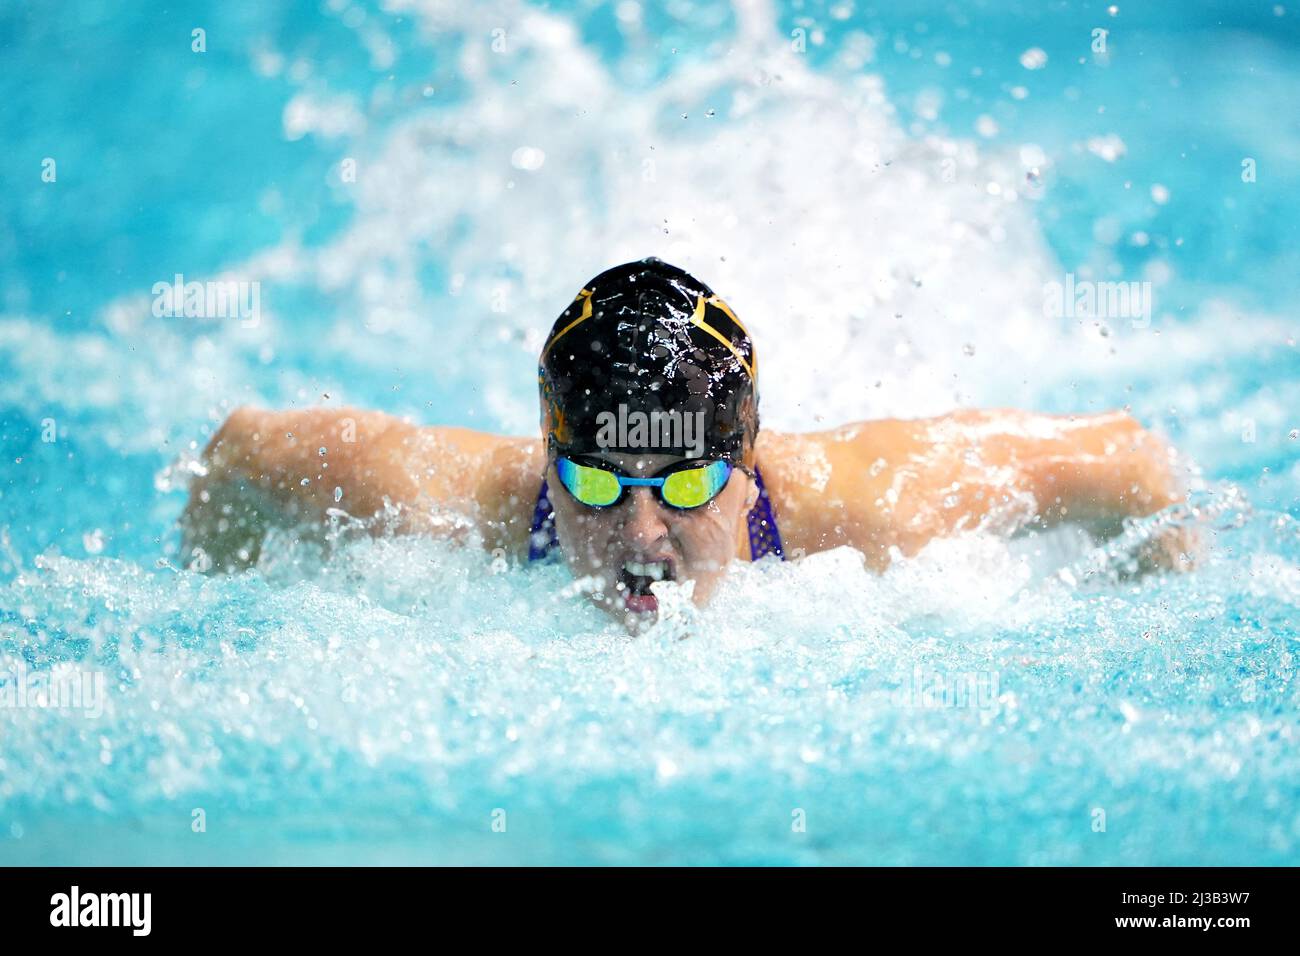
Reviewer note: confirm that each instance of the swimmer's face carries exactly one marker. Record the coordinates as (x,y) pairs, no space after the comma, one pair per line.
(626,546)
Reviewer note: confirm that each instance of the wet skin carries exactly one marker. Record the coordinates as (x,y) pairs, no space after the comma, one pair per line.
(883,487)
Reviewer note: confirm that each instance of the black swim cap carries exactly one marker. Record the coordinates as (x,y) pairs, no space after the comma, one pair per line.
(647,358)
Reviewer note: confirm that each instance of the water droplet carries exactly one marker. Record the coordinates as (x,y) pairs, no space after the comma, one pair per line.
(1035,58)
(528,158)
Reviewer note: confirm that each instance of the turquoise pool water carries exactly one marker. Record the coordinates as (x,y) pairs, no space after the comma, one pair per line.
(881,193)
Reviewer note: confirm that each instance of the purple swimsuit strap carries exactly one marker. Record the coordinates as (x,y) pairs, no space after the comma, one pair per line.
(764,538)
(542,540)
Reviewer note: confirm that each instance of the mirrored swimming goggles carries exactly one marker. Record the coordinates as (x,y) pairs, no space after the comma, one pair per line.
(684,485)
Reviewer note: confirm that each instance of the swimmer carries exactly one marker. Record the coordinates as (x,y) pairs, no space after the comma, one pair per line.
(651,465)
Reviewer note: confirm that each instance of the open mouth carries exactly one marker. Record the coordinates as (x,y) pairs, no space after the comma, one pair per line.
(635,578)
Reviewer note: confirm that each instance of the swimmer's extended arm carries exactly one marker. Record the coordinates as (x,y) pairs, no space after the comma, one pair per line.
(1096,470)
(899,484)
(289,469)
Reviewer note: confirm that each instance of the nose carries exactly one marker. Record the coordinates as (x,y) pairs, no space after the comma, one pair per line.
(643,522)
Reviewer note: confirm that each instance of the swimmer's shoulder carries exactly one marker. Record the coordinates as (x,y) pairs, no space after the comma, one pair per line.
(837,487)
(510,475)
(492,479)
(843,460)
(378,455)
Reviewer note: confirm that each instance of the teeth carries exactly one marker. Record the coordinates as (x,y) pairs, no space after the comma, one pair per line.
(655,569)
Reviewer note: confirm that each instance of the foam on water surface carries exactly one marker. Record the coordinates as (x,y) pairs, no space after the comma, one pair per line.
(985,702)
(967,704)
